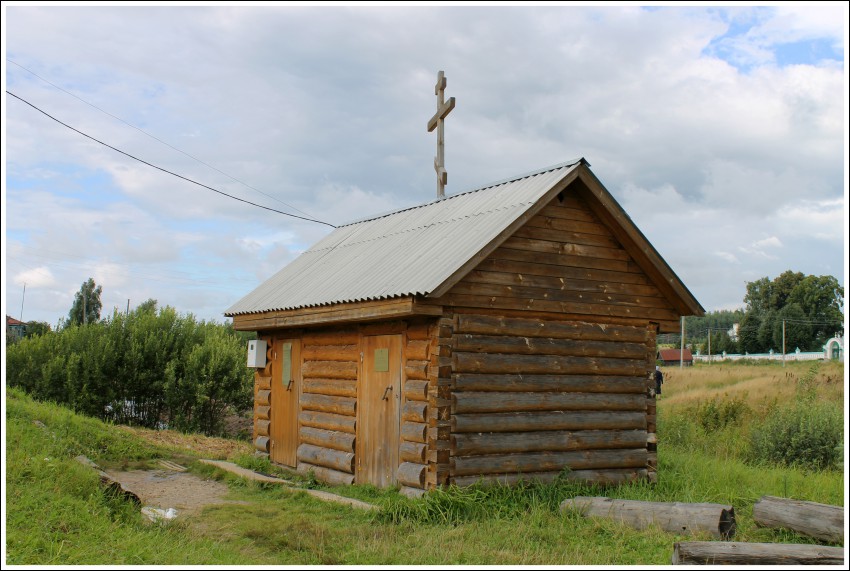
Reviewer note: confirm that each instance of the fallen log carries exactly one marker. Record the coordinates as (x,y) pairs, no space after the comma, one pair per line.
(821,521)
(715,519)
(740,553)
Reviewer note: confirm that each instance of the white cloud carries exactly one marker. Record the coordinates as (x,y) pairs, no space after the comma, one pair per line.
(35,277)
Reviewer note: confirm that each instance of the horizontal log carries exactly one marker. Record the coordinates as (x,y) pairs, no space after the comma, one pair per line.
(546,364)
(331,387)
(263,412)
(561,283)
(414,432)
(531,267)
(417,350)
(327,421)
(466,402)
(263,427)
(419,331)
(520,254)
(329,370)
(326,475)
(716,520)
(410,474)
(519,345)
(555,383)
(415,411)
(821,521)
(565,295)
(263,383)
(548,461)
(569,236)
(552,223)
(263,398)
(323,403)
(554,440)
(327,458)
(417,370)
(409,492)
(416,390)
(735,553)
(571,209)
(599,477)
(261,443)
(330,337)
(566,248)
(333,439)
(558,420)
(413,452)
(330,352)
(579,330)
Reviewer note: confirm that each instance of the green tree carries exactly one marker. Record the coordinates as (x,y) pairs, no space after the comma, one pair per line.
(822,300)
(149,305)
(748,333)
(35,328)
(798,333)
(87,305)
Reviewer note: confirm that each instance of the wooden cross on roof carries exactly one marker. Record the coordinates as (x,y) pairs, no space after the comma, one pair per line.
(443,109)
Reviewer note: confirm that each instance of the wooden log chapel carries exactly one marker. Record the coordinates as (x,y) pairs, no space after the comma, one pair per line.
(498,334)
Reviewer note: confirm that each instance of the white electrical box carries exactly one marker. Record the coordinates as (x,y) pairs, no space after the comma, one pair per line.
(257,354)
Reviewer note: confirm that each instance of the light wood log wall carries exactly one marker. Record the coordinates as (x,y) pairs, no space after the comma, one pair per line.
(563,261)
(533,396)
(416,445)
(262,401)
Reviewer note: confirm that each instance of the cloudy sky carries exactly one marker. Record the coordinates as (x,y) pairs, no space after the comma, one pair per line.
(721,131)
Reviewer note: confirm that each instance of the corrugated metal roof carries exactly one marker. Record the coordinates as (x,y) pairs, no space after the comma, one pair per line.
(408,252)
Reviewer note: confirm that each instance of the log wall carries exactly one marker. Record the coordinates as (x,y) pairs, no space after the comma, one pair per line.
(530,397)
(262,408)
(415,407)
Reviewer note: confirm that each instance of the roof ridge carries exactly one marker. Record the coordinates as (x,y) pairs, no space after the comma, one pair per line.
(463,193)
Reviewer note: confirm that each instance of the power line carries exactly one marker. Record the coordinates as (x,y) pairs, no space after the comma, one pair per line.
(154,137)
(168,171)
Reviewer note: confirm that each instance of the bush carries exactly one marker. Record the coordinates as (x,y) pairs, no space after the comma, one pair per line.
(714,415)
(807,434)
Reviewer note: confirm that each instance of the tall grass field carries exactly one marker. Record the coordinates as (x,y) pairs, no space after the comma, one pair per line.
(728,433)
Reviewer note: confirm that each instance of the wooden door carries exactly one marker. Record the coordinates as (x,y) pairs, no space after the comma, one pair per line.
(286,392)
(378,410)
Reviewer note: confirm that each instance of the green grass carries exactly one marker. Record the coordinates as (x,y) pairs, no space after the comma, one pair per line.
(57,513)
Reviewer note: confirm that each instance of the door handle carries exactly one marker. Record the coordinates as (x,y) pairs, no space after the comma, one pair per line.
(289,385)
(387,390)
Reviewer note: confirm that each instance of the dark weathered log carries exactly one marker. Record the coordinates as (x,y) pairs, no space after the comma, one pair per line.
(263,383)
(740,553)
(416,390)
(538,269)
(518,345)
(414,432)
(329,370)
(413,452)
(507,442)
(560,282)
(550,383)
(333,439)
(416,370)
(263,412)
(411,474)
(466,402)
(330,352)
(261,443)
(331,387)
(600,477)
(548,461)
(263,398)
(323,403)
(417,350)
(326,474)
(327,421)
(415,411)
(558,420)
(419,331)
(334,459)
(546,364)
(821,521)
(263,427)
(716,520)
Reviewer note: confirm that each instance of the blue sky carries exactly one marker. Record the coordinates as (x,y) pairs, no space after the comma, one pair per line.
(720,129)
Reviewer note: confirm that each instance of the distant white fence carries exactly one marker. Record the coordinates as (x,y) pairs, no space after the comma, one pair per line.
(796,356)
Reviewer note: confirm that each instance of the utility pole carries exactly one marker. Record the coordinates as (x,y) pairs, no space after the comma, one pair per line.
(84,305)
(709,345)
(128,307)
(22,302)
(783,342)
(682,348)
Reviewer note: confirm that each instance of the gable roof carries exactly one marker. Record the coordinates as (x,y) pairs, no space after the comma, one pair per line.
(426,249)
(673,355)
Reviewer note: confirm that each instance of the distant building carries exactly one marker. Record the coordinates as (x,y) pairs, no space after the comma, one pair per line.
(733,332)
(672,357)
(14,329)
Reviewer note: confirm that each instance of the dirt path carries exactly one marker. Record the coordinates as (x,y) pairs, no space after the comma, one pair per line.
(185,492)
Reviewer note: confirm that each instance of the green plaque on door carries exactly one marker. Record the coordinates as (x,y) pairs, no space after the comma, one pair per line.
(382,360)
(287,363)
